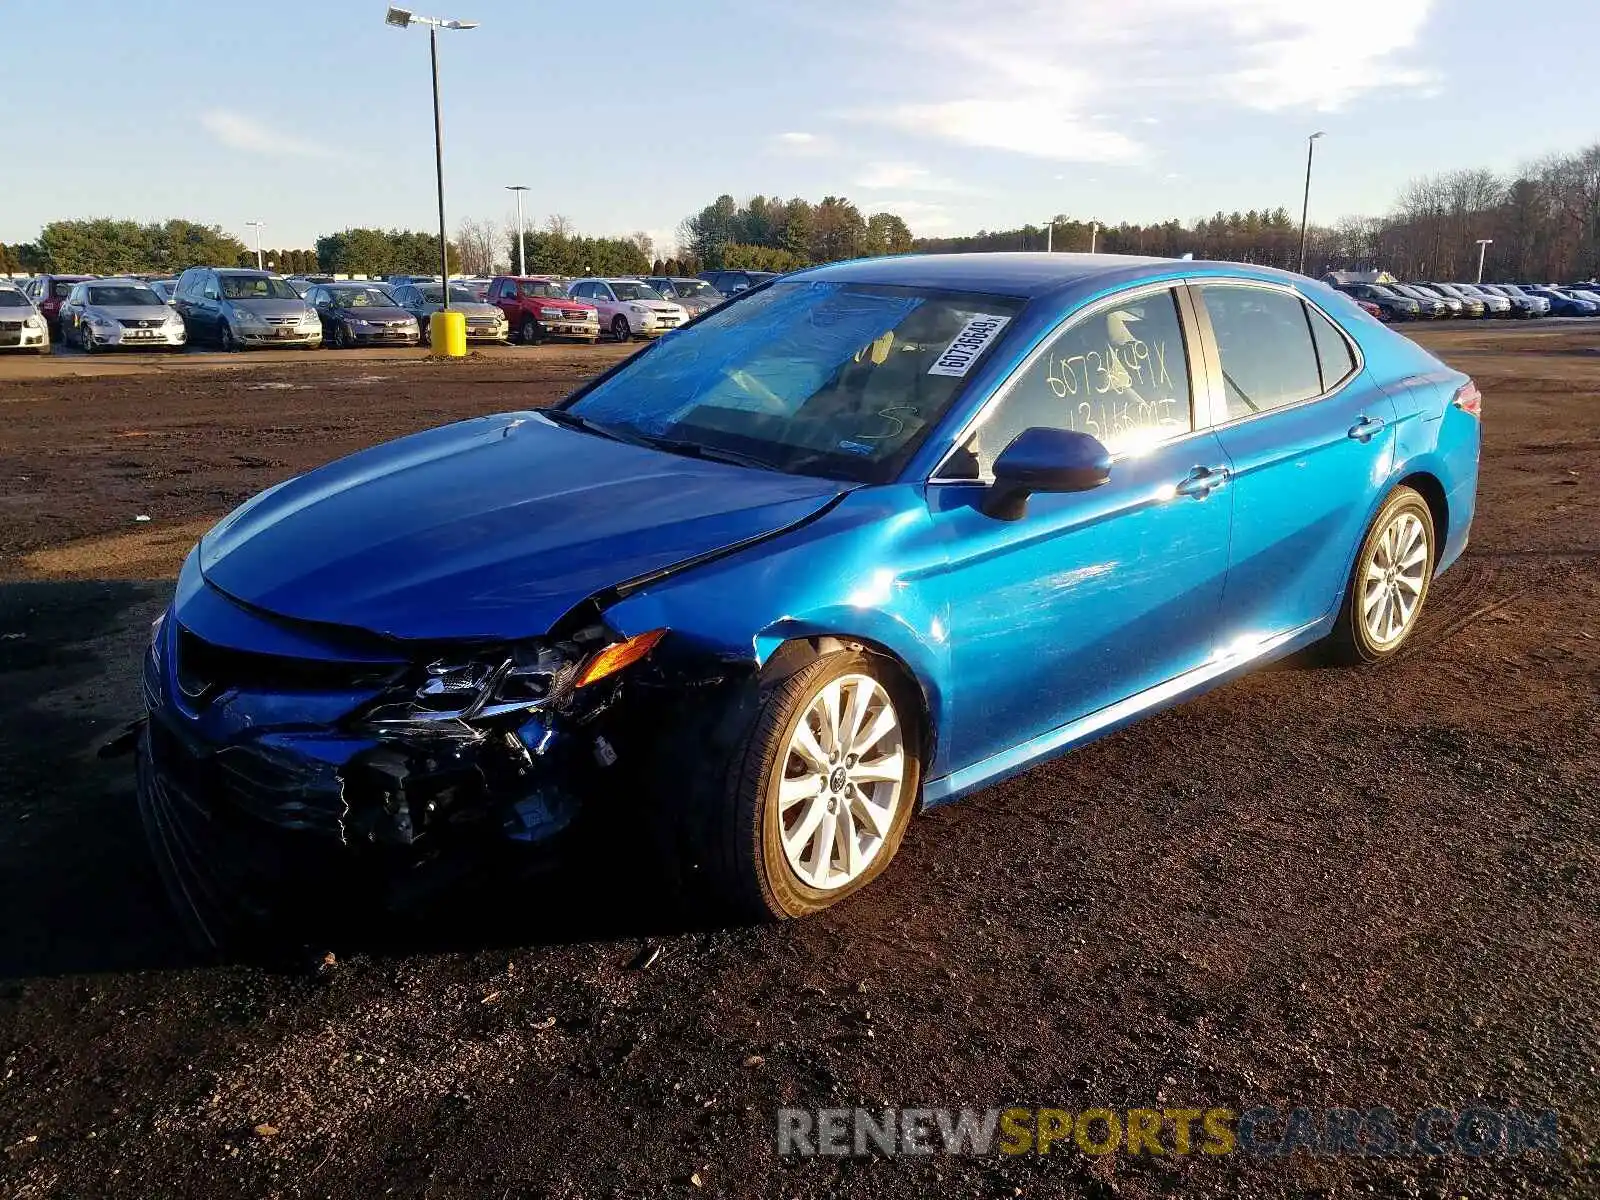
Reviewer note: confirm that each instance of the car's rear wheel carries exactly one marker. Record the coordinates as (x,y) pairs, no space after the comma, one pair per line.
(816,799)
(1389,582)
(619,329)
(530,332)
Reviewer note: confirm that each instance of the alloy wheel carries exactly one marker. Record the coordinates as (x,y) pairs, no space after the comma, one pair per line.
(620,330)
(841,782)
(1393,579)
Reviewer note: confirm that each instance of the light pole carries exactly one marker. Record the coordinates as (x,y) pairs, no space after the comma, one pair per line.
(1305,204)
(1094,235)
(1050,236)
(258,225)
(1483,245)
(401,18)
(519,188)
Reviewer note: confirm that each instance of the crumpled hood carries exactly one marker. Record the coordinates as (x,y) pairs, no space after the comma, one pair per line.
(491,528)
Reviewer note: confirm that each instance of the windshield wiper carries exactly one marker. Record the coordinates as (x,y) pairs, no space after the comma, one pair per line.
(572,420)
(712,453)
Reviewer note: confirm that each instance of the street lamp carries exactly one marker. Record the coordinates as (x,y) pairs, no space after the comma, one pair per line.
(1305,205)
(1094,235)
(400,18)
(519,188)
(1050,236)
(1483,245)
(258,225)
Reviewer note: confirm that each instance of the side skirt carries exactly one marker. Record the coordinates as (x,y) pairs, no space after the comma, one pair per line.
(1228,663)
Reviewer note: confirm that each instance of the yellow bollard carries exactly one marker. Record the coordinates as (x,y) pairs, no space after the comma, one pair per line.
(448,332)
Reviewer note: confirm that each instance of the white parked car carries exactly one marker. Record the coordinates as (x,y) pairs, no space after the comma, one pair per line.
(628,307)
(21,326)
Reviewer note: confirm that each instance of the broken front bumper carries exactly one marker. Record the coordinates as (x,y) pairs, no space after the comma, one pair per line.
(263,806)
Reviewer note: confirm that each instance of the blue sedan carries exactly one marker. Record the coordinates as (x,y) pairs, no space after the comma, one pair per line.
(863,541)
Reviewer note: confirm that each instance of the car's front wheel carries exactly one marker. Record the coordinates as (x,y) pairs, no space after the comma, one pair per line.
(815,801)
(620,330)
(530,332)
(1389,582)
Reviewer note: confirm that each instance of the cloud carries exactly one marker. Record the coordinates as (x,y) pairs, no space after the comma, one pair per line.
(924,218)
(239,132)
(802,144)
(1085,81)
(878,176)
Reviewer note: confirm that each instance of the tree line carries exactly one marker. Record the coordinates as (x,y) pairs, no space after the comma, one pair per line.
(1544,222)
(772,234)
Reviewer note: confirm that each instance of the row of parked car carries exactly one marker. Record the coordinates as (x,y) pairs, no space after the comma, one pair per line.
(235,308)
(1429,300)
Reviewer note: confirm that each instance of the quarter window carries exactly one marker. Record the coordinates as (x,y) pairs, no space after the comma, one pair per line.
(1333,352)
(1268,360)
(1119,374)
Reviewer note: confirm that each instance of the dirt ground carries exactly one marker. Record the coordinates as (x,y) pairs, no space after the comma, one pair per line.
(1312,887)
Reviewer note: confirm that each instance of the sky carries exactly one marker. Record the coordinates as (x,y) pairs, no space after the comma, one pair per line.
(627,116)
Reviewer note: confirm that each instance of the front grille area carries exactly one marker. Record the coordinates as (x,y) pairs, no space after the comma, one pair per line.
(138,323)
(10,326)
(206,670)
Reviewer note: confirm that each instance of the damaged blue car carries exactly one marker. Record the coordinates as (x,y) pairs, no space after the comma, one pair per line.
(868,538)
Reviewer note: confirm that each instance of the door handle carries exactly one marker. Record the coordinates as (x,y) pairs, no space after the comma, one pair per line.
(1365,429)
(1202,481)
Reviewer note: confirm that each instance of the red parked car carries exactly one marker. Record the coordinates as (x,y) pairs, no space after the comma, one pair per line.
(47,293)
(538,307)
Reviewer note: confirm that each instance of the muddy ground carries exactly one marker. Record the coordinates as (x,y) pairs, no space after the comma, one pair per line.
(1313,887)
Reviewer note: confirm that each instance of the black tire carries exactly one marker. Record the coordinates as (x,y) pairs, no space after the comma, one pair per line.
(86,339)
(620,330)
(734,836)
(528,332)
(226,342)
(1350,644)
(341,337)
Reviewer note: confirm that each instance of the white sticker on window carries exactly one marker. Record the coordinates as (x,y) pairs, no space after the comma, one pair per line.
(967,345)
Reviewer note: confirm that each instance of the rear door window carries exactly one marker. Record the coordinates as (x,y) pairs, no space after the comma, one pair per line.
(1268,358)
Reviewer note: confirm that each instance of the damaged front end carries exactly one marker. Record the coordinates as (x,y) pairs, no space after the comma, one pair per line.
(281,786)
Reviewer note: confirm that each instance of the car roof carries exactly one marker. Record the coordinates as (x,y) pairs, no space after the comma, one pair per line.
(1014,274)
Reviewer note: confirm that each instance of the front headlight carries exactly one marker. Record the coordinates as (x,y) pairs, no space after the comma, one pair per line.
(311,318)
(358,322)
(34,322)
(638,309)
(515,680)
(552,314)
(99,321)
(174,321)
(245,317)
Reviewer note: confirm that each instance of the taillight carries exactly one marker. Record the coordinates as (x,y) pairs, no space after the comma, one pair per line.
(1469,399)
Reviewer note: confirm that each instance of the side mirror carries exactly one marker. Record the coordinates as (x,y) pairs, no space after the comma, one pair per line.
(1044,460)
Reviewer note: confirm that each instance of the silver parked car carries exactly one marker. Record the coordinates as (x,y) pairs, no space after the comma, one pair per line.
(485,322)
(21,326)
(239,308)
(696,295)
(119,313)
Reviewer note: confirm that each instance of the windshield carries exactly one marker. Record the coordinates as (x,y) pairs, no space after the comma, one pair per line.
(62,286)
(1377,289)
(696,288)
(361,298)
(833,379)
(627,289)
(257,287)
(11,299)
(542,288)
(122,296)
(433,295)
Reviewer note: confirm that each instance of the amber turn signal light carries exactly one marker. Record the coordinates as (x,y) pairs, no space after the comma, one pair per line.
(619,655)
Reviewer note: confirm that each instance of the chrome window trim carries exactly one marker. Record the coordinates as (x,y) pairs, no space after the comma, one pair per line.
(1214,354)
(1198,372)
